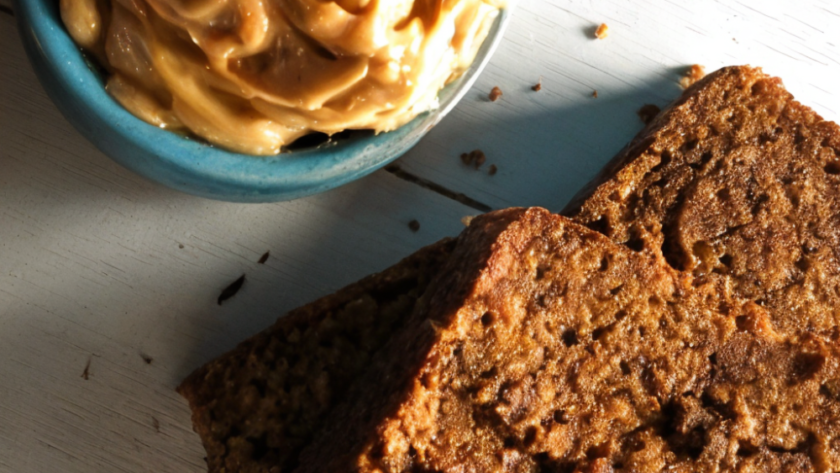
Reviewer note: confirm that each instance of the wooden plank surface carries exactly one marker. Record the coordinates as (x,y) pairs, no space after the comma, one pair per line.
(102,267)
(547,144)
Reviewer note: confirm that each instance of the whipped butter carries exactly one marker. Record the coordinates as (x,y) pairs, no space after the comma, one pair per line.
(254,75)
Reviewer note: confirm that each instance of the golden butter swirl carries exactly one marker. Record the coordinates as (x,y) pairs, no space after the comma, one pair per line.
(254,75)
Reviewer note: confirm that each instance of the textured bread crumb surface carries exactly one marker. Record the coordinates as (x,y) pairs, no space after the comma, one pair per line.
(736,179)
(546,347)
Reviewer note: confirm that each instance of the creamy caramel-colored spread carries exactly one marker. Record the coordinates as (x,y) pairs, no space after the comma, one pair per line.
(254,75)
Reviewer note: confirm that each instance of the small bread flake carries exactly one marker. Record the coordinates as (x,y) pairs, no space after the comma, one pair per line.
(414,225)
(492,170)
(86,372)
(495,94)
(594,94)
(602,31)
(479,158)
(475,157)
(538,86)
(231,290)
(692,75)
(264,257)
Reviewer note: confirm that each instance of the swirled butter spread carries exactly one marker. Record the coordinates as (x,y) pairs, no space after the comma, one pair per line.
(254,75)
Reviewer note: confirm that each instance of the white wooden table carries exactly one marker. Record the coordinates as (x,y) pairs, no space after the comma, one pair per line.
(101,268)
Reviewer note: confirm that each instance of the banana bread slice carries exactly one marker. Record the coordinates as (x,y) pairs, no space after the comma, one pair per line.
(735,178)
(544,346)
(256,406)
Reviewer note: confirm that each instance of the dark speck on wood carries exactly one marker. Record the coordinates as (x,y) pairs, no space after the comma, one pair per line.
(231,290)
(264,257)
(86,372)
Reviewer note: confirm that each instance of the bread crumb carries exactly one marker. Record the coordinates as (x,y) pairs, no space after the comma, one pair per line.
(231,290)
(692,75)
(594,94)
(264,257)
(414,225)
(602,31)
(648,112)
(466,220)
(495,94)
(538,86)
(476,157)
(492,170)
(479,158)
(146,358)
(86,372)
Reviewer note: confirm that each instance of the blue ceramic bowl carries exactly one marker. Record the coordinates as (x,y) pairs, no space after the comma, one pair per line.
(197,168)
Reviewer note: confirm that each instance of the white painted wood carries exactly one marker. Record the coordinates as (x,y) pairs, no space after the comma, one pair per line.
(547,144)
(91,268)
(91,264)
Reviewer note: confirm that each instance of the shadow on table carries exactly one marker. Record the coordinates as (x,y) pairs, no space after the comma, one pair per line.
(137,267)
(545,147)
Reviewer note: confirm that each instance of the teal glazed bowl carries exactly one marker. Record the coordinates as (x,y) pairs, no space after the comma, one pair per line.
(196,168)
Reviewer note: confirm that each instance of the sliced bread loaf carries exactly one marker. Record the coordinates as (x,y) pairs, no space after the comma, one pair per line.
(544,346)
(735,178)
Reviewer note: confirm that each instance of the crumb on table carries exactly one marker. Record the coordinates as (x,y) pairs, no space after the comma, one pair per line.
(414,225)
(86,372)
(495,94)
(648,112)
(475,157)
(602,31)
(492,170)
(594,94)
(692,75)
(538,86)
(479,158)
(231,290)
(264,257)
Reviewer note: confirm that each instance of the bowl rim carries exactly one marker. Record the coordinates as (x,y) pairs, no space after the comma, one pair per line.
(198,168)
